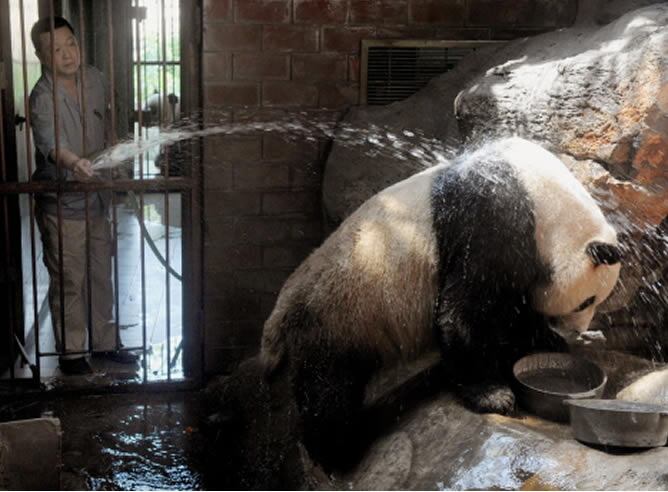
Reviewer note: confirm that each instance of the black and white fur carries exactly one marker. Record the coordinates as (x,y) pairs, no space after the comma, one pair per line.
(475,256)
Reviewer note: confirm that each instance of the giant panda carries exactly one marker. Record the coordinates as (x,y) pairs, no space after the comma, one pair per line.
(487,257)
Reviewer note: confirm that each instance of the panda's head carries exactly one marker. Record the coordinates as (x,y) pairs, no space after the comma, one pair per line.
(577,286)
(576,245)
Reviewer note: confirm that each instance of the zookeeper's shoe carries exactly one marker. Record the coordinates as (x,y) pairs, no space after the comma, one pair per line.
(74,366)
(118,356)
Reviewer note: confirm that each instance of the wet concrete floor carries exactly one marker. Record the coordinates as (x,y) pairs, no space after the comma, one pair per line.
(125,441)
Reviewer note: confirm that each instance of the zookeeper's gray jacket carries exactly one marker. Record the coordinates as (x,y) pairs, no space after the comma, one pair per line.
(70,136)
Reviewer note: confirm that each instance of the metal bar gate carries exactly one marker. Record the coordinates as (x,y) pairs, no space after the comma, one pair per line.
(146,195)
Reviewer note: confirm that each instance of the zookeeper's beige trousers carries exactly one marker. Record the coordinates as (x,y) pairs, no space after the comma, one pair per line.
(74,282)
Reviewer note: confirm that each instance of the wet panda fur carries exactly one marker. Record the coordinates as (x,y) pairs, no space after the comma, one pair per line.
(487,257)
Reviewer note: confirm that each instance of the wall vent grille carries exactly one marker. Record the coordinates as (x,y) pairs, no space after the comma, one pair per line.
(393,70)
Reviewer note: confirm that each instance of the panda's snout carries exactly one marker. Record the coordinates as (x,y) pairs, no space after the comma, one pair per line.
(557,325)
(574,333)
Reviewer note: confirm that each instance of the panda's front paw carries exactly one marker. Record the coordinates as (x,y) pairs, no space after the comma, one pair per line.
(488,398)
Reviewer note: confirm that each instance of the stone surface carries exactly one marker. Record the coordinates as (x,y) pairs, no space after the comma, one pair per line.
(424,438)
(594,94)
(30,454)
(441,445)
(438,444)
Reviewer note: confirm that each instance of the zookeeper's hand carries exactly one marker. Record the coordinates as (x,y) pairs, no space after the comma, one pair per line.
(82,169)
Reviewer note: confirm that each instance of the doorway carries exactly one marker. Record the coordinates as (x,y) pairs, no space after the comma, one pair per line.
(155,211)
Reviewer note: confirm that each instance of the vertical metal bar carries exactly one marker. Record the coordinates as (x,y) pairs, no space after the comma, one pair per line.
(31,204)
(5,203)
(161,86)
(82,69)
(84,135)
(167,275)
(114,218)
(141,193)
(59,192)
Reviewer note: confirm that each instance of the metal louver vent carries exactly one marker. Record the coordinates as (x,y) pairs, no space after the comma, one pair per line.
(393,70)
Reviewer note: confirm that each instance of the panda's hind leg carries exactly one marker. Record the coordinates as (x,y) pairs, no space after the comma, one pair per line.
(329,388)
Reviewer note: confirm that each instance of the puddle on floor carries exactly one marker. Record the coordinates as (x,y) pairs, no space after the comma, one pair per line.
(126,441)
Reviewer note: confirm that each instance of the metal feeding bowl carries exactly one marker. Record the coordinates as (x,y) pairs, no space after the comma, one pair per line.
(544,381)
(619,423)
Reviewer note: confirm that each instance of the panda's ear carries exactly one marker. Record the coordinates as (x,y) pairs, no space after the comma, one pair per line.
(604,253)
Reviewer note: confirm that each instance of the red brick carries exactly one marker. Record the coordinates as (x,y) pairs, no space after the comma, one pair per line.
(261,230)
(217,10)
(257,67)
(413,31)
(222,332)
(219,229)
(233,303)
(229,258)
(354,68)
(246,230)
(304,203)
(321,11)
(224,360)
(261,176)
(291,147)
(250,280)
(285,256)
(511,33)
(263,11)
(311,230)
(216,66)
(448,12)
(217,176)
(319,67)
(525,13)
(290,38)
(225,203)
(274,280)
(500,12)
(339,96)
(346,39)
(308,175)
(231,37)
(215,116)
(378,11)
(232,148)
(231,94)
(553,13)
(267,303)
(289,94)
(465,33)
(258,115)
(219,286)
(254,280)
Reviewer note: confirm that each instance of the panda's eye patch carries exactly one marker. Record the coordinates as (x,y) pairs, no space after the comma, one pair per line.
(585,304)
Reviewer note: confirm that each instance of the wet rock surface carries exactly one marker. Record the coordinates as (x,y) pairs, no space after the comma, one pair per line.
(424,439)
(441,445)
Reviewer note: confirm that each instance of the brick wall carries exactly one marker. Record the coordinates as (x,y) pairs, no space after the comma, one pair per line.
(262,60)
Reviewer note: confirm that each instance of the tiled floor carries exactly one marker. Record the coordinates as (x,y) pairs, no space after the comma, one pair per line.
(130,319)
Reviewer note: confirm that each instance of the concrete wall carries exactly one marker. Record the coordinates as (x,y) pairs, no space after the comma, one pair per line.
(263,59)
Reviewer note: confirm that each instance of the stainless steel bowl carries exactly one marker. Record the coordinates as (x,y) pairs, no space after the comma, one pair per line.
(619,423)
(544,381)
